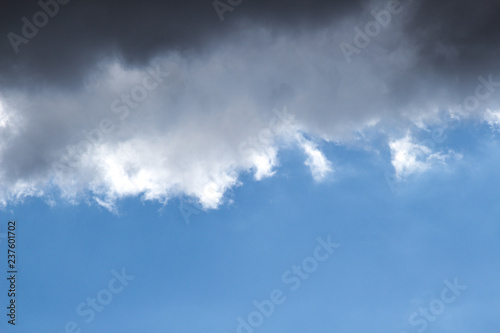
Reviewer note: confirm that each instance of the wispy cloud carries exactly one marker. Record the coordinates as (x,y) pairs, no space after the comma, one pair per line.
(409,157)
(319,165)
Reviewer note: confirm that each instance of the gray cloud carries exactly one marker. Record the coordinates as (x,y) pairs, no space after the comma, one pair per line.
(67,87)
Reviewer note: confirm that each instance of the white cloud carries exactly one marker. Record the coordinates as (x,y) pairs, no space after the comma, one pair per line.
(409,157)
(493,119)
(264,163)
(319,165)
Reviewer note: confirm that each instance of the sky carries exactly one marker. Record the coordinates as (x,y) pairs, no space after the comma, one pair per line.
(256,166)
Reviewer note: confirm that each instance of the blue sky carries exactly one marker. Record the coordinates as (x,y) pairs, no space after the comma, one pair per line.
(396,249)
(254,166)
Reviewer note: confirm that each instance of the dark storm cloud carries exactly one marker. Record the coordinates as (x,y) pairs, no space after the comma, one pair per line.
(83,32)
(451,35)
(457,38)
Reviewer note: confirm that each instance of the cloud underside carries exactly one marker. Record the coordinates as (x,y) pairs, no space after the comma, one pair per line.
(183,123)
